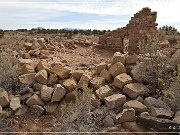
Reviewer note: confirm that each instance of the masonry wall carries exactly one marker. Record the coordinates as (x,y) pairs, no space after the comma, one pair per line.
(140,25)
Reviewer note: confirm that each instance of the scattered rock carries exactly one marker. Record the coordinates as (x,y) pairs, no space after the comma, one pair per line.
(116,69)
(37,86)
(106,75)
(22,110)
(36,111)
(34,100)
(177,118)
(25,61)
(136,105)
(62,72)
(161,113)
(97,82)
(4,99)
(108,121)
(95,101)
(46,93)
(59,93)
(115,101)
(134,127)
(26,69)
(70,97)
(77,75)
(119,57)
(42,66)
(53,79)
(27,79)
(41,77)
(131,59)
(133,90)
(70,84)
(15,103)
(103,92)
(101,67)
(0,110)
(121,80)
(127,115)
(28,46)
(84,81)
(51,107)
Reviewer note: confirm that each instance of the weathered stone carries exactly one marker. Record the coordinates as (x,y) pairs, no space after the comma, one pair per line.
(77,75)
(36,111)
(108,121)
(25,61)
(145,114)
(25,96)
(133,90)
(59,93)
(119,57)
(51,107)
(26,69)
(41,77)
(151,102)
(22,110)
(127,115)
(4,99)
(101,67)
(28,46)
(161,113)
(46,93)
(37,86)
(35,45)
(158,124)
(52,80)
(115,101)
(27,78)
(70,84)
(42,66)
(34,100)
(131,59)
(106,75)
(177,118)
(103,92)
(121,80)
(136,105)
(70,97)
(84,81)
(116,69)
(97,82)
(15,103)
(0,110)
(95,101)
(25,56)
(62,72)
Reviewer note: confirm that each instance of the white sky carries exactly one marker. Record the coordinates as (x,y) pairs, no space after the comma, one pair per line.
(107,14)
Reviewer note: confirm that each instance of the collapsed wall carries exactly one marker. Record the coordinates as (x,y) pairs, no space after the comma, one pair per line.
(142,24)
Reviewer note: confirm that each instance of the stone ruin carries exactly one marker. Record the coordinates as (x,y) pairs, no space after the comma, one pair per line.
(142,24)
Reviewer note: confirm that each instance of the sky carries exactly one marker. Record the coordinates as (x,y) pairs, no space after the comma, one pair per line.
(83,14)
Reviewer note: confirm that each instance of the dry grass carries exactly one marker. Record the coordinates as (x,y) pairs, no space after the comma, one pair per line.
(90,37)
(9,71)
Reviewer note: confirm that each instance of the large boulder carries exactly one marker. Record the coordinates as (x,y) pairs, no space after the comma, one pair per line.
(106,75)
(119,57)
(62,72)
(41,77)
(34,100)
(103,92)
(97,82)
(116,69)
(4,99)
(27,79)
(46,93)
(161,113)
(136,105)
(70,84)
(59,93)
(15,103)
(115,101)
(121,80)
(126,115)
(108,121)
(133,90)
(37,86)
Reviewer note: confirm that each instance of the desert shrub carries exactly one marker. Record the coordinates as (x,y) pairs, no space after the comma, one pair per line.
(169,29)
(9,71)
(1,33)
(77,116)
(173,40)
